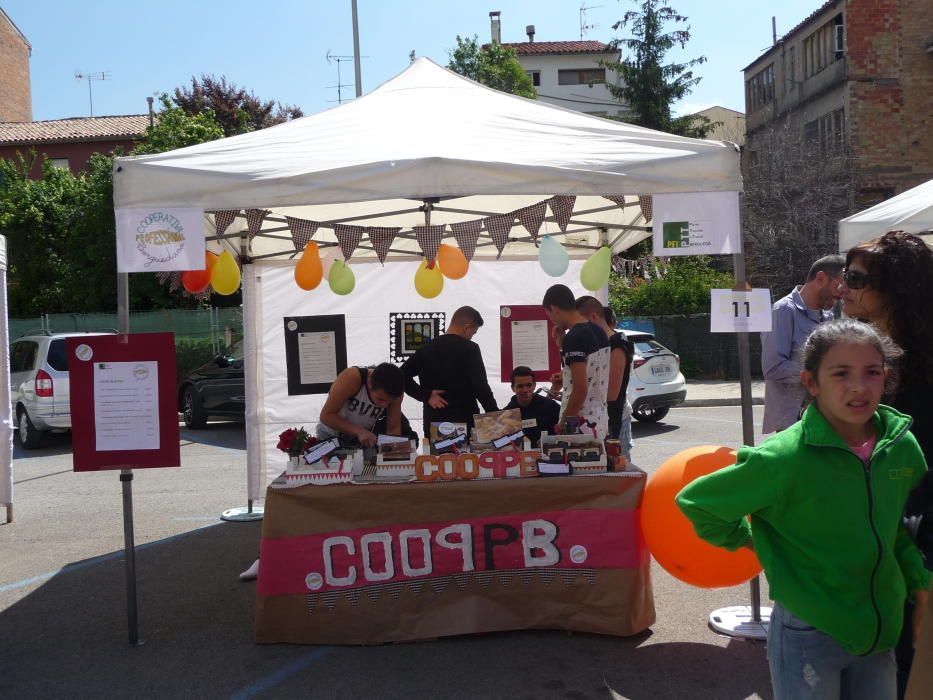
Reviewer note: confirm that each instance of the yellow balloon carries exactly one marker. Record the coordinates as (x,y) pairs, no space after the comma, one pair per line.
(225,276)
(309,271)
(453,262)
(429,282)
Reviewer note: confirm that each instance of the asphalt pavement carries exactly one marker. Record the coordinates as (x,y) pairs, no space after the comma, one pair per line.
(63,605)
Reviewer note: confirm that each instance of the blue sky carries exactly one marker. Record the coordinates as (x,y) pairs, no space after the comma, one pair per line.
(278,48)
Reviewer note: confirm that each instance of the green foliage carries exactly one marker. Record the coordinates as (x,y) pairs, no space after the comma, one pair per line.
(649,86)
(492,65)
(191,353)
(685,289)
(175,128)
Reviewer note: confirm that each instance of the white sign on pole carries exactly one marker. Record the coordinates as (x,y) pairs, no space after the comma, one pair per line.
(696,223)
(740,312)
(155,240)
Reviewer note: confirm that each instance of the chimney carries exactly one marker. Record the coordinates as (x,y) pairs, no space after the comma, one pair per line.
(530,31)
(495,27)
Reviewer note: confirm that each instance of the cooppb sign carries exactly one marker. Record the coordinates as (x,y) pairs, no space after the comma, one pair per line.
(567,539)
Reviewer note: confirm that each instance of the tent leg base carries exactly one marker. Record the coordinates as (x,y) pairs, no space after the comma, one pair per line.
(738,622)
(243,515)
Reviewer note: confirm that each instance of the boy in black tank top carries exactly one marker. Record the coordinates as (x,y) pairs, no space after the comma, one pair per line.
(360,397)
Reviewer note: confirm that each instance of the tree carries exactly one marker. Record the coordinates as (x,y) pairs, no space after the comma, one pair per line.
(175,128)
(235,108)
(492,65)
(649,86)
(684,289)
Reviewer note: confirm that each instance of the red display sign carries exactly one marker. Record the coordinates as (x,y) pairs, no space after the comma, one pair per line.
(525,339)
(124,406)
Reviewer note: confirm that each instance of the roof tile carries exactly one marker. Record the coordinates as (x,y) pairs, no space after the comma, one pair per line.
(531,48)
(74,129)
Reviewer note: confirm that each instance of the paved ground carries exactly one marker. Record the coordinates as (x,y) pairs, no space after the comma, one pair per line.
(62,602)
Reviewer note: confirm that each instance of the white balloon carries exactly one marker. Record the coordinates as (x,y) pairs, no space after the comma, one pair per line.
(327,259)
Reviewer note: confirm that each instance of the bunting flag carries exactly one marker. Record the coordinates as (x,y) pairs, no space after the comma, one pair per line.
(349,238)
(499,228)
(467,233)
(381,237)
(562,209)
(617,198)
(223,219)
(302,231)
(174,281)
(163,276)
(532,217)
(429,238)
(254,219)
(645,204)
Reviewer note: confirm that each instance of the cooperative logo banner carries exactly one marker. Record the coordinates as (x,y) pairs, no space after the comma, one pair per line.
(696,223)
(155,240)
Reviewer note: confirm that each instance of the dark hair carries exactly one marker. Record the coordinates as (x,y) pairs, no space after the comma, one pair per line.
(849,331)
(830,264)
(465,315)
(900,266)
(522,371)
(610,317)
(587,305)
(389,378)
(559,296)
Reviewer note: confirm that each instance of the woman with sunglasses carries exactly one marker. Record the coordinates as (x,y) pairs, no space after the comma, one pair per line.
(889,282)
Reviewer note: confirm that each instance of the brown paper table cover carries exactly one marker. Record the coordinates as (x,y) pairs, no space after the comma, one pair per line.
(368,564)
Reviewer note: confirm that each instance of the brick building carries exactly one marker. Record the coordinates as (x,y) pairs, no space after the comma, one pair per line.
(15,92)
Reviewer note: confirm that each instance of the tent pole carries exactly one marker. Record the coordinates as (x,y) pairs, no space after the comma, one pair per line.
(6,410)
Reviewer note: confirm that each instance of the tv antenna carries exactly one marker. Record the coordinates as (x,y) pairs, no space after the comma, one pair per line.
(333,58)
(583,25)
(89,77)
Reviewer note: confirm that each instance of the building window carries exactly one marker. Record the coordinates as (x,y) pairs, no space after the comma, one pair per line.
(759,90)
(824,46)
(60,163)
(535,76)
(581,76)
(828,131)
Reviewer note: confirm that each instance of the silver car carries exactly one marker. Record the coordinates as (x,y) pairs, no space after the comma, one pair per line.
(39,385)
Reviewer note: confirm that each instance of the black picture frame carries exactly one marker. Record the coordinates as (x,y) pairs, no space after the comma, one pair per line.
(294,327)
(408,332)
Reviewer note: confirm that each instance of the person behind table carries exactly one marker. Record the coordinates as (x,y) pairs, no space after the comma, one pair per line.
(584,351)
(358,399)
(839,570)
(451,373)
(539,414)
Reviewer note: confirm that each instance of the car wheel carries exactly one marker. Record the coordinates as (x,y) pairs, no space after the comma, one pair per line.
(650,415)
(193,410)
(30,437)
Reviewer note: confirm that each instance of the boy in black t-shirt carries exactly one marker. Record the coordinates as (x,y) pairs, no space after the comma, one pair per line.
(538,413)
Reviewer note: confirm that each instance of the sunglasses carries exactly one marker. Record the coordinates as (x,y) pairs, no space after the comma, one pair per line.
(855,279)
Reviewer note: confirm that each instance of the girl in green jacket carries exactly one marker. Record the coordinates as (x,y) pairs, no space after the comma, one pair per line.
(825,498)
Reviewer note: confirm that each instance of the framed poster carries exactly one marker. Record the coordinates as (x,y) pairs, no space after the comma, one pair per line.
(124,405)
(525,337)
(409,332)
(315,352)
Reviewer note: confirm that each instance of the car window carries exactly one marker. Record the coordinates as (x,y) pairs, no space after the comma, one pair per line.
(235,351)
(58,355)
(23,355)
(649,347)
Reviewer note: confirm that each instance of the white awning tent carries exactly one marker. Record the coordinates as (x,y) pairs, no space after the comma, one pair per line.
(426,145)
(910,211)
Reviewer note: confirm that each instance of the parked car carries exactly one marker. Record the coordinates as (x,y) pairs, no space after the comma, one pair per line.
(656,383)
(214,389)
(39,386)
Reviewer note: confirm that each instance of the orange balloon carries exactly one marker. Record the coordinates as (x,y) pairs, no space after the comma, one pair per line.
(309,271)
(453,262)
(670,536)
(210,259)
(196,281)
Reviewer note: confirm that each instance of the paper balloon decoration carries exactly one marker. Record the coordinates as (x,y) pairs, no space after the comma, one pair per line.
(595,272)
(196,281)
(309,271)
(453,262)
(552,257)
(429,282)
(341,279)
(670,536)
(225,276)
(327,260)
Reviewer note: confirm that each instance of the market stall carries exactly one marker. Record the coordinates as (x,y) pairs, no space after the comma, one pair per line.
(910,211)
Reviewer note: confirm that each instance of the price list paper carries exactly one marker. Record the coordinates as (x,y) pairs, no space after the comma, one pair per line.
(126,405)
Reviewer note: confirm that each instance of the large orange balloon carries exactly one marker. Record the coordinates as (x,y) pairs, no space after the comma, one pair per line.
(670,536)
(453,262)
(196,281)
(309,271)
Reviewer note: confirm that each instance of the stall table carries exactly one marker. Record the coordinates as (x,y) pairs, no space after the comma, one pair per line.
(368,564)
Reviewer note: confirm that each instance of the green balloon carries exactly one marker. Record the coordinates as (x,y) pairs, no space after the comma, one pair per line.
(341,278)
(594,274)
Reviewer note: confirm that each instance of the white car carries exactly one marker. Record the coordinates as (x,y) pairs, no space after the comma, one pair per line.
(656,383)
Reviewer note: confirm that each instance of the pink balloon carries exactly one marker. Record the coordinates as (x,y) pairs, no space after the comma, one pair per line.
(327,259)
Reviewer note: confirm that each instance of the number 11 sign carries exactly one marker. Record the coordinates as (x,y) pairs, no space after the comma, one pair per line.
(740,312)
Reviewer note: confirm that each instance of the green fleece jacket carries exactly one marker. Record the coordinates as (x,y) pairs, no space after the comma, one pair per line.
(826,528)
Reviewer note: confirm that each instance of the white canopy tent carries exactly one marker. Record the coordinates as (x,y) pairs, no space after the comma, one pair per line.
(910,211)
(428,146)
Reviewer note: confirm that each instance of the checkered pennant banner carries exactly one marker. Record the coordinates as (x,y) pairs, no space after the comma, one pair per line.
(381,237)
(172,278)
(429,238)
(499,228)
(617,198)
(223,219)
(254,219)
(302,231)
(562,209)
(467,233)
(645,204)
(349,238)
(532,217)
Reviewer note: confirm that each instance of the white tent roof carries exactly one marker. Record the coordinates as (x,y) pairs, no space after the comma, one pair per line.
(910,211)
(430,133)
